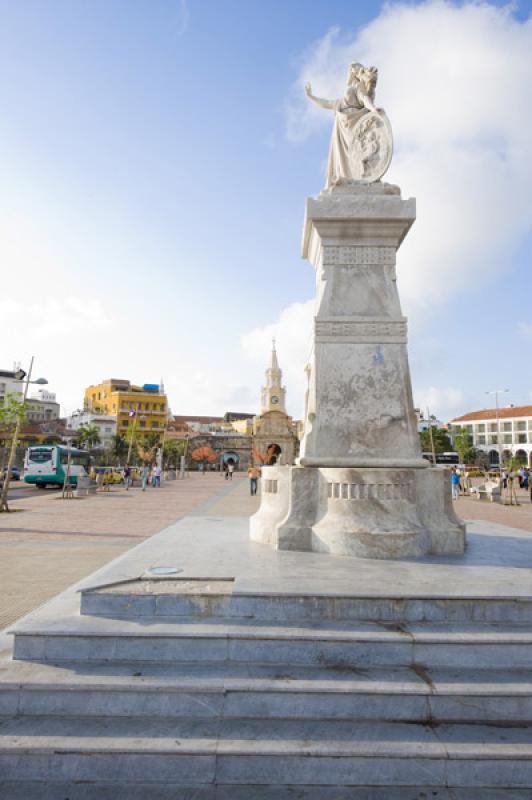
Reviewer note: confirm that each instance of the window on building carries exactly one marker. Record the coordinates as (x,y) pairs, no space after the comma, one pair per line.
(142,423)
(507,438)
(155,424)
(493,427)
(521,438)
(507,426)
(125,423)
(147,406)
(521,425)
(493,439)
(481,440)
(481,427)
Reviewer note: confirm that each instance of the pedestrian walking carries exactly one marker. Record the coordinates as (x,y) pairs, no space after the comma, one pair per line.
(156,476)
(230,470)
(253,475)
(510,495)
(127,476)
(144,476)
(455,484)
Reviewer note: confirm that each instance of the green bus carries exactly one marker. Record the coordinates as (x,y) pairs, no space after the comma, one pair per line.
(46,465)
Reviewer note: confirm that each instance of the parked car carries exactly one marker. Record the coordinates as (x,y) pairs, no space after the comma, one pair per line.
(15,473)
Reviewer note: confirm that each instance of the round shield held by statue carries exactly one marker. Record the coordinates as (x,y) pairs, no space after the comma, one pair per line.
(372,145)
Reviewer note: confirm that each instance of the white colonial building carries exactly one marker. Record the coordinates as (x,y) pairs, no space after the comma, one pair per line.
(106,425)
(510,428)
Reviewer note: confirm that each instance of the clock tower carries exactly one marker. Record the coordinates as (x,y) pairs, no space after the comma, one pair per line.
(273,393)
(274,432)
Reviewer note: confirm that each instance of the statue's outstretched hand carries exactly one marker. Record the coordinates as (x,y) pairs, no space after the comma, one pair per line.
(308,90)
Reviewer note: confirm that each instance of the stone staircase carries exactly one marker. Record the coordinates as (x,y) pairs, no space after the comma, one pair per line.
(185,690)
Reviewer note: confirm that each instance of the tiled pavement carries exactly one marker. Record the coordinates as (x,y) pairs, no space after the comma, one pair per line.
(53,543)
(513,516)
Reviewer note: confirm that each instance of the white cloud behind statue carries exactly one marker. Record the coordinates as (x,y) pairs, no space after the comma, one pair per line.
(151,202)
(454,81)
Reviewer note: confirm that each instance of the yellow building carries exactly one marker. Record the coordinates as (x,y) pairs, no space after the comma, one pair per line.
(144,407)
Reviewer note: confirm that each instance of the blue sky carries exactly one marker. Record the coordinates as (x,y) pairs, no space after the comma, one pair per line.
(153,181)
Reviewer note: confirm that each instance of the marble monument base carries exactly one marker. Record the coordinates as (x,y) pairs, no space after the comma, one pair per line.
(368,512)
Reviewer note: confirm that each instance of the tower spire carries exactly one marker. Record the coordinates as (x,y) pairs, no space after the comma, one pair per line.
(274,362)
(273,392)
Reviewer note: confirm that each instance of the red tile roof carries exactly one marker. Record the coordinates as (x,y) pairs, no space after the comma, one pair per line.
(491,413)
(203,420)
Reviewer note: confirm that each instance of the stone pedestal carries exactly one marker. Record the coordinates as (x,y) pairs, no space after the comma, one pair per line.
(361,487)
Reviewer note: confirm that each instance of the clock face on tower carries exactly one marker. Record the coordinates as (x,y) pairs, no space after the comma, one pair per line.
(275,400)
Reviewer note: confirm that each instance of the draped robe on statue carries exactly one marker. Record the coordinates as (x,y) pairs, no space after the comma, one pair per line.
(342,163)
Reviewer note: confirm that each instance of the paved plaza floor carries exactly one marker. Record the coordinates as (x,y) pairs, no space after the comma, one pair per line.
(53,543)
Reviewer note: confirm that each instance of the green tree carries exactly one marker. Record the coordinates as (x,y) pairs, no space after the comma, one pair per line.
(12,410)
(152,439)
(119,447)
(12,417)
(463,444)
(173,450)
(442,442)
(88,436)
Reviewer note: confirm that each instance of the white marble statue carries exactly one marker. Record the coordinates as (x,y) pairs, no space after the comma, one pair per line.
(361,142)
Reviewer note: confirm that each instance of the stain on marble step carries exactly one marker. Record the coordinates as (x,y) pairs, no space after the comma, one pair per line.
(366,644)
(264,752)
(54,790)
(146,598)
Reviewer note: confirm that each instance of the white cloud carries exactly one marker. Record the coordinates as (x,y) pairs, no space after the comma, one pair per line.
(181,18)
(209,393)
(293,335)
(51,319)
(454,81)
(444,402)
(525,329)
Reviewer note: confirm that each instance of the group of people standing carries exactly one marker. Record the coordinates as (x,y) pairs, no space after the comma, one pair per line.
(147,475)
(509,478)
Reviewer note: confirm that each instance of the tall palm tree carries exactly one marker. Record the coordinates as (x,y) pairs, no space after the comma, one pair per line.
(89,435)
(119,447)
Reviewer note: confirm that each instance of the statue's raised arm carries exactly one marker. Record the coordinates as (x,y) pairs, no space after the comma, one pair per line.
(319,101)
(361,142)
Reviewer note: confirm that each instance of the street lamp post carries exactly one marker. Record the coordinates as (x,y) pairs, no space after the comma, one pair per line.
(497,392)
(12,453)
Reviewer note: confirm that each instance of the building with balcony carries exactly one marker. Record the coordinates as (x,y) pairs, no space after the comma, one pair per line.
(510,427)
(42,406)
(10,385)
(144,407)
(106,425)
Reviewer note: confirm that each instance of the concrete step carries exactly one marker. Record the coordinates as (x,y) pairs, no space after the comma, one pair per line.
(440,645)
(36,790)
(265,752)
(187,597)
(238,691)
